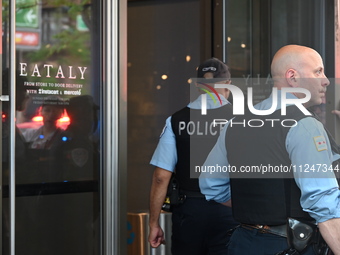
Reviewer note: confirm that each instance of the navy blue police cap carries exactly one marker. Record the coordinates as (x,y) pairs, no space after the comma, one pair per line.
(214,66)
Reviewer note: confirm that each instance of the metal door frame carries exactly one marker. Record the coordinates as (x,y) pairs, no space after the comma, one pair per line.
(113,191)
(114,136)
(12,80)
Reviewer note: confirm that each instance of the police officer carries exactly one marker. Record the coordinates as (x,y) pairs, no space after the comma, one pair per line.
(199,227)
(262,205)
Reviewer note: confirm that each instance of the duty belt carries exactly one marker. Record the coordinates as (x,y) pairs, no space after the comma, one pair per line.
(280,230)
(191,194)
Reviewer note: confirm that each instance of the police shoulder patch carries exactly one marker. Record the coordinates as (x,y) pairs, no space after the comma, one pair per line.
(320,143)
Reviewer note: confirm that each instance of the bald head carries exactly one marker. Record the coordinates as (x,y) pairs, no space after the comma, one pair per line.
(290,57)
(298,66)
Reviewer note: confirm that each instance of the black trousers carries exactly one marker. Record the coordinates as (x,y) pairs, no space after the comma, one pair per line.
(200,227)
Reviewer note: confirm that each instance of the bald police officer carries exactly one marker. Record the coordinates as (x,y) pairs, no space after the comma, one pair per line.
(262,205)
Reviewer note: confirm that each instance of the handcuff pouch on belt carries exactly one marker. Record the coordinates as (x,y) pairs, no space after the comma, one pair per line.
(173,196)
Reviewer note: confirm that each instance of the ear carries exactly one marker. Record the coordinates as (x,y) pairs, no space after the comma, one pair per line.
(227,90)
(291,77)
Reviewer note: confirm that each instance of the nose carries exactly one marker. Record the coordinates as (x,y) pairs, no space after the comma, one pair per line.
(325,81)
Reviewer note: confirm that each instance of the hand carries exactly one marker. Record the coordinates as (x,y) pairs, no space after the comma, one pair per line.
(156,236)
(336,112)
(330,231)
(228,203)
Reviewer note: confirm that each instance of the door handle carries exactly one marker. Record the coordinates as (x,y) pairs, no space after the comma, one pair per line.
(4,98)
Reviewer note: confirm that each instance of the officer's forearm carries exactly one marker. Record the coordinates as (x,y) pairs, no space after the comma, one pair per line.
(159,188)
(330,231)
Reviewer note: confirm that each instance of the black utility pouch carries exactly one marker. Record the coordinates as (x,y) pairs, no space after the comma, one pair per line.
(173,196)
(300,234)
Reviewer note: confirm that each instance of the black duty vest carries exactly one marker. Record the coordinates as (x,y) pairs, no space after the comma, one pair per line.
(195,135)
(266,201)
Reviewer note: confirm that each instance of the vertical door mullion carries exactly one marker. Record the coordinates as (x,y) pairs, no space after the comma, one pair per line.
(224,31)
(1,135)
(12,125)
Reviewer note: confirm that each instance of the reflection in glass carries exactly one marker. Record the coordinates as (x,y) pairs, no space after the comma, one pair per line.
(57,199)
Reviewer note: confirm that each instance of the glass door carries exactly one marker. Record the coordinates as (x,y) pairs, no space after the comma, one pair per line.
(50,127)
(256,29)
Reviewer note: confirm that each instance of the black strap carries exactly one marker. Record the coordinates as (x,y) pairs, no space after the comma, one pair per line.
(288,193)
(289,251)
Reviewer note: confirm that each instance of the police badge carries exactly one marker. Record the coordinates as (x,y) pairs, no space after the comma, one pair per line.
(79,156)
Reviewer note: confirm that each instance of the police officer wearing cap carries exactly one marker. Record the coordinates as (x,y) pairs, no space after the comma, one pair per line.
(281,215)
(199,227)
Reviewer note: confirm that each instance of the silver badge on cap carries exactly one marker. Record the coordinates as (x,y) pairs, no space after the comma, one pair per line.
(210,68)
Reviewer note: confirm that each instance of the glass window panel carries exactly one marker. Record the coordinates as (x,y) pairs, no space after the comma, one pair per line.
(57,127)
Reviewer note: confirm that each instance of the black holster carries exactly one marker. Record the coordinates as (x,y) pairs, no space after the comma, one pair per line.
(173,196)
(301,235)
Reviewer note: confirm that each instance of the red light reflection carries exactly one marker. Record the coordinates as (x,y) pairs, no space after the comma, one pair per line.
(37,122)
